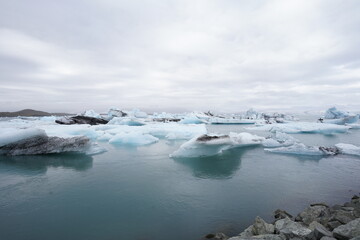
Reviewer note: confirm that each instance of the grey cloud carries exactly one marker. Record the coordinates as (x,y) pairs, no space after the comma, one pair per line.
(217,55)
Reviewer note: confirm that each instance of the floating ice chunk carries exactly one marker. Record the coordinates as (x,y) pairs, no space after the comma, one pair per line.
(191,120)
(199,148)
(333,113)
(135,139)
(245,139)
(279,140)
(164,115)
(136,113)
(336,116)
(342,121)
(42,144)
(91,113)
(115,112)
(218,120)
(126,121)
(70,130)
(354,125)
(10,135)
(348,149)
(302,149)
(302,127)
(209,145)
(48,118)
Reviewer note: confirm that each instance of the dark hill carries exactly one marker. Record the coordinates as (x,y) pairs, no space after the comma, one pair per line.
(29,113)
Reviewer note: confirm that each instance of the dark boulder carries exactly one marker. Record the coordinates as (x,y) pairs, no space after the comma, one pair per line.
(280,214)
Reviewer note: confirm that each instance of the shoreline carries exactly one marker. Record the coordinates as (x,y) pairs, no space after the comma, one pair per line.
(318,221)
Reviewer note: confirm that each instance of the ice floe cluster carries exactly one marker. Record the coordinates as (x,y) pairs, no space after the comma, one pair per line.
(80,133)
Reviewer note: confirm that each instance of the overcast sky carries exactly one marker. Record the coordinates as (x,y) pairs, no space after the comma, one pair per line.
(69,55)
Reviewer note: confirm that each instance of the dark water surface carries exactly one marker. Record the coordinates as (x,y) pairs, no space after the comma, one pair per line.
(141,193)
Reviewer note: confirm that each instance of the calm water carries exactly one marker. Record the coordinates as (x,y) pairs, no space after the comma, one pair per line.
(141,193)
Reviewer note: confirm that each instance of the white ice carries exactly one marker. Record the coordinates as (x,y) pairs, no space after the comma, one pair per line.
(302,127)
(336,116)
(130,121)
(354,125)
(133,138)
(195,148)
(333,113)
(279,139)
(91,113)
(191,119)
(114,112)
(298,149)
(10,135)
(348,149)
(218,120)
(136,113)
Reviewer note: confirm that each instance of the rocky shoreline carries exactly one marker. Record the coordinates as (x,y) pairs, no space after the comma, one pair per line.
(317,222)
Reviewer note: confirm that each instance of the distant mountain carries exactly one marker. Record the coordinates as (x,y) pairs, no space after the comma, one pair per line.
(30,113)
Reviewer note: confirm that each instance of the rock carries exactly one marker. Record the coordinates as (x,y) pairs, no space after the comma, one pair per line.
(248,232)
(336,207)
(216,236)
(43,144)
(356,238)
(292,229)
(261,237)
(348,231)
(355,197)
(343,216)
(260,227)
(319,204)
(317,213)
(327,238)
(280,214)
(81,120)
(332,225)
(319,230)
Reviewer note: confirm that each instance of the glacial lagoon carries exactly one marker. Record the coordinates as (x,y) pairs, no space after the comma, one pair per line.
(141,193)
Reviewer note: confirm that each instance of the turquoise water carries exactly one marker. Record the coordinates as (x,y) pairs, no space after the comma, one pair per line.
(141,193)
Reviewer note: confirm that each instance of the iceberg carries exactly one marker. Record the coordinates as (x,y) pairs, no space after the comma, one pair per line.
(165,117)
(333,113)
(126,121)
(353,125)
(115,112)
(136,113)
(35,141)
(302,149)
(10,135)
(279,139)
(218,120)
(349,149)
(336,116)
(191,119)
(91,113)
(213,144)
(134,138)
(66,131)
(302,127)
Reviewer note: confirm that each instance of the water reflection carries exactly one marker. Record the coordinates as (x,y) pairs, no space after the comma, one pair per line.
(222,166)
(40,163)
